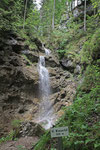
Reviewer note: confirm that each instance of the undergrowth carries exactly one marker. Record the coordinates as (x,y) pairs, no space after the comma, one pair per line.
(13,133)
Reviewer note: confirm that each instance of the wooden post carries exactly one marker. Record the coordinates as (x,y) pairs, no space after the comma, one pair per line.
(60,143)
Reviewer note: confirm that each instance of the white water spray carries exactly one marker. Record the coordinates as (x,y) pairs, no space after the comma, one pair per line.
(45,108)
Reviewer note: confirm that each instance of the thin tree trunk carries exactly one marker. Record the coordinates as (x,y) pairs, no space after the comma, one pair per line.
(70,6)
(53,18)
(94,11)
(73,4)
(25,13)
(77,3)
(85,15)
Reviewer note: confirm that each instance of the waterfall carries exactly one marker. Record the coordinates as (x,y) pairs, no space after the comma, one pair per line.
(45,107)
(47,51)
(44,85)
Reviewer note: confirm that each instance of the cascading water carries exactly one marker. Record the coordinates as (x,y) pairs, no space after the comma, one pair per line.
(45,108)
(47,51)
(44,78)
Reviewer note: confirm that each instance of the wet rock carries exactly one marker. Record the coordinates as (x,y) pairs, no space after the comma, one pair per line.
(30,129)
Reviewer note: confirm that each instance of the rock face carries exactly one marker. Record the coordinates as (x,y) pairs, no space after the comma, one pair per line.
(71,66)
(19,83)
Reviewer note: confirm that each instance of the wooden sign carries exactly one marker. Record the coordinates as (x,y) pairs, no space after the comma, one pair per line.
(59,132)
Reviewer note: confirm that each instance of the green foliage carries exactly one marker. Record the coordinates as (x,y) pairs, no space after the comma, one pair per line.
(12,17)
(81,127)
(43,141)
(9,137)
(47,15)
(60,8)
(92,78)
(16,123)
(20,147)
(91,48)
(10,14)
(96,4)
(16,127)
(82,117)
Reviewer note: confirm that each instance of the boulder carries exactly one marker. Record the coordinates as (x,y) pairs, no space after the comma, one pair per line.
(77,69)
(68,64)
(52,61)
(32,56)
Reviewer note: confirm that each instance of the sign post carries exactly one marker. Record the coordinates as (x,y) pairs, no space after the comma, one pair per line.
(60,143)
(59,132)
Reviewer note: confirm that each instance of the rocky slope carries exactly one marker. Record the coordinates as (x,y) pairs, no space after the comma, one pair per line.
(19,83)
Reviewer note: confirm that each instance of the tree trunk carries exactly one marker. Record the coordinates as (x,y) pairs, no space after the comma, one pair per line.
(53,18)
(25,13)
(77,3)
(71,5)
(85,15)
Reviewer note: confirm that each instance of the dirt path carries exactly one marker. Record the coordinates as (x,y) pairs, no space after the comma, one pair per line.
(24,143)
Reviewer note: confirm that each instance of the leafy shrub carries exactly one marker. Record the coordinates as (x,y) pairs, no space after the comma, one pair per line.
(43,141)
(92,78)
